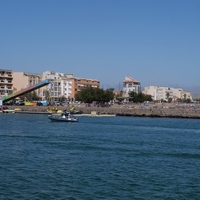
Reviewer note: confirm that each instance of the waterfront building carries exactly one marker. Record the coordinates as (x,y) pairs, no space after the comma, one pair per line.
(130,85)
(159,93)
(22,80)
(66,85)
(80,83)
(6,82)
(60,85)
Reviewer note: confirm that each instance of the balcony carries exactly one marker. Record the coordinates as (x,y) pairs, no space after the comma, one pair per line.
(9,82)
(6,75)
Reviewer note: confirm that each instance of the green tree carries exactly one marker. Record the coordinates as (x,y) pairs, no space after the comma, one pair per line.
(62,98)
(32,96)
(188,100)
(108,95)
(88,95)
(139,97)
(47,95)
(167,95)
(133,96)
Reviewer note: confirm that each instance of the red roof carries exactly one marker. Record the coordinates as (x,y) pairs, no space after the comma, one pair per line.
(128,79)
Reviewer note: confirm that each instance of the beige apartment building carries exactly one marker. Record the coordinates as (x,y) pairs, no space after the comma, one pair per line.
(22,80)
(6,82)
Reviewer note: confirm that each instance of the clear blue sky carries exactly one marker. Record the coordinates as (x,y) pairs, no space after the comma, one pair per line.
(156,42)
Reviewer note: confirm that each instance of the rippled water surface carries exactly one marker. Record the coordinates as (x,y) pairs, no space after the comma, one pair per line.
(99,158)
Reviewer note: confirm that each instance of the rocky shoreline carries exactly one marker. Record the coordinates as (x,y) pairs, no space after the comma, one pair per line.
(132,111)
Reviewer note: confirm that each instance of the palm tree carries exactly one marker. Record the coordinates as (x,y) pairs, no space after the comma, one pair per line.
(167,95)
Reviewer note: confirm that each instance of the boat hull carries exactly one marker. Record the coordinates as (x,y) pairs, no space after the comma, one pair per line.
(61,119)
(8,111)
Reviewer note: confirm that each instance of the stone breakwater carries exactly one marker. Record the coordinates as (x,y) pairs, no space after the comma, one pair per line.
(152,112)
(173,112)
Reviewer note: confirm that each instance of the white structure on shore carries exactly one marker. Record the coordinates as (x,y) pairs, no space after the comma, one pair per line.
(130,85)
(60,84)
(164,93)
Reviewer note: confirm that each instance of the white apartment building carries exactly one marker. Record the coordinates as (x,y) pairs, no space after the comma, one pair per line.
(60,85)
(130,85)
(164,93)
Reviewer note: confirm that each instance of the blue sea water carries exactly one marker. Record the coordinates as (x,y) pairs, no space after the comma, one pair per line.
(99,158)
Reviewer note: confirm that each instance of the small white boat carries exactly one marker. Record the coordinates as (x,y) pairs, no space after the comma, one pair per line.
(8,111)
(63,118)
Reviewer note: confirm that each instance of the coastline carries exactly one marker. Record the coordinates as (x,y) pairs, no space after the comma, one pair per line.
(131,110)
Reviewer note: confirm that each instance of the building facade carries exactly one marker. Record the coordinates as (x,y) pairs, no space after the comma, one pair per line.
(130,85)
(6,82)
(66,85)
(81,83)
(22,80)
(60,85)
(165,93)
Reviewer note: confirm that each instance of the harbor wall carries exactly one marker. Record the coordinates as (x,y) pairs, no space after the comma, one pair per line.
(139,111)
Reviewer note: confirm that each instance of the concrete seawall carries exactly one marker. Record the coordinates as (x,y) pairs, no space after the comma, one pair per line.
(174,112)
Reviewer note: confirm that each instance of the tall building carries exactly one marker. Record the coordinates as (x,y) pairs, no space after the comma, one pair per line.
(6,82)
(60,85)
(130,85)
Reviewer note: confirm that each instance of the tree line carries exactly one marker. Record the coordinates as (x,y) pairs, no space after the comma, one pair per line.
(99,95)
(89,95)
